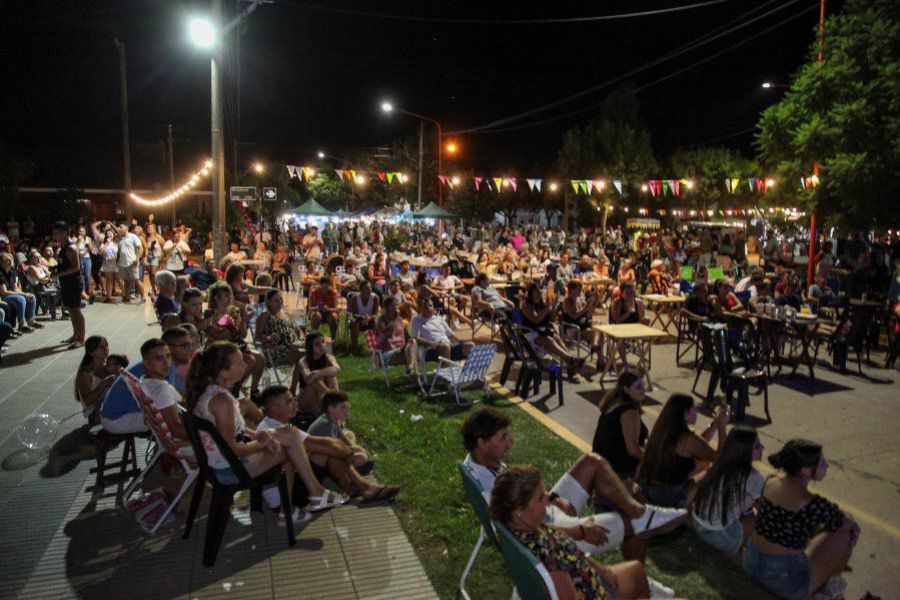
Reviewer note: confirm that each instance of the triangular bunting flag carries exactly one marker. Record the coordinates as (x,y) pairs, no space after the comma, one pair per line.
(382,175)
(583,184)
(761,185)
(390,177)
(442,179)
(728,185)
(531,184)
(339,173)
(498,181)
(665,186)
(618,185)
(352,174)
(478,183)
(750,183)
(515,185)
(676,186)
(735,183)
(537,184)
(292,171)
(575,183)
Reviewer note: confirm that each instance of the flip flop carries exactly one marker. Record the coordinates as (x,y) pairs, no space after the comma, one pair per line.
(385,492)
(74,345)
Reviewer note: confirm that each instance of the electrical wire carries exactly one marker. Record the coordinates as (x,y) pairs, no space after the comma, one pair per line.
(696,43)
(657,81)
(645,13)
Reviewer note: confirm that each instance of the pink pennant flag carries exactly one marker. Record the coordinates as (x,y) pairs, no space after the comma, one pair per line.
(676,186)
(478,182)
(513,183)
(443,179)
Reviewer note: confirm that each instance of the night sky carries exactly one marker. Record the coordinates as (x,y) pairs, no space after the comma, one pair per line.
(313,79)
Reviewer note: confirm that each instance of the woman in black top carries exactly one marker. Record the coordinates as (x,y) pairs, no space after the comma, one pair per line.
(71,284)
(668,473)
(620,434)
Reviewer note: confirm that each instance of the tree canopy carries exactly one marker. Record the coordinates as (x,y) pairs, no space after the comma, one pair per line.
(844,114)
(708,168)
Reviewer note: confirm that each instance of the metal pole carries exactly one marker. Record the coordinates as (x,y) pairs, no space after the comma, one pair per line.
(421,163)
(440,186)
(126,146)
(810,269)
(171,169)
(218,147)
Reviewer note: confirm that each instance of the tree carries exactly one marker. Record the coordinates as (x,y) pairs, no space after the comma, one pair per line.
(14,171)
(708,168)
(844,114)
(615,143)
(328,190)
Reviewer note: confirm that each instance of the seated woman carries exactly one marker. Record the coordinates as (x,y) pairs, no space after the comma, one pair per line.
(226,321)
(626,273)
(93,377)
(519,501)
(621,434)
(21,301)
(262,254)
(318,373)
(538,315)
(669,470)
(801,541)
(377,274)
(362,308)
(242,291)
(40,281)
(192,309)
(212,373)
(723,507)
(725,300)
(165,302)
(483,262)
(627,308)
(578,311)
(279,335)
(281,267)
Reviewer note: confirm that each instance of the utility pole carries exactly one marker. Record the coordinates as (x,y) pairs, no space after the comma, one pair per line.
(421,162)
(171,170)
(126,146)
(217,133)
(810,268)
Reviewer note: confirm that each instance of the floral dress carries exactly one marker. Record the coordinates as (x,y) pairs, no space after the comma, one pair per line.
(285,337)
(558,552)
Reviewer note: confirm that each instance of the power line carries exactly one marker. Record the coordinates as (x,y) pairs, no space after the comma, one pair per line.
(645,13)
(661,79)
(696,43)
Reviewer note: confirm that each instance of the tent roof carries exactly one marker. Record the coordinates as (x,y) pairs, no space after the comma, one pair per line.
(311,208)
(433,211)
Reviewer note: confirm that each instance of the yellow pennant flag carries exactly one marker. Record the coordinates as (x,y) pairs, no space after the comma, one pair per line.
(735,182)
(498,181)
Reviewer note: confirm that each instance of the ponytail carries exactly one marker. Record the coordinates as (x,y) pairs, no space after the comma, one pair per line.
(205,367)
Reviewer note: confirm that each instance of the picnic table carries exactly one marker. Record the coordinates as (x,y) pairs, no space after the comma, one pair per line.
(617,334)
(665,309)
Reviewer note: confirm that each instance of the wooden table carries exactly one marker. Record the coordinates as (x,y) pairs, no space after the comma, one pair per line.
(665,309)
(615,336)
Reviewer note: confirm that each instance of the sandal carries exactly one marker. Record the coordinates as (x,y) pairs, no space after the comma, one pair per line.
(327,500)
(298,517)
(385,492)
(74,345)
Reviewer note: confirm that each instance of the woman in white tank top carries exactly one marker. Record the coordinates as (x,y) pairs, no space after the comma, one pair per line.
(212,373)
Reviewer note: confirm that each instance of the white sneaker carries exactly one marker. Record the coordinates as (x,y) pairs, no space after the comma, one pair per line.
(299,516)
(658,590)
(656,520)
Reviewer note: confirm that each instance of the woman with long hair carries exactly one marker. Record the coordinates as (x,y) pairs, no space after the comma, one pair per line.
(673,452)
(621,434)
(92,379)
(109,270)
(279,335)
(802,542)
(212,373)
(155,244)
(228,322)
(318,372)
(723,507)
(538,315)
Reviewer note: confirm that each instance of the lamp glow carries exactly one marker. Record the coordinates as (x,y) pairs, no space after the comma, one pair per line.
(360,180)
(767,84)
(259,167)
(387,106)
(202,32)
(553,187)
(321,154)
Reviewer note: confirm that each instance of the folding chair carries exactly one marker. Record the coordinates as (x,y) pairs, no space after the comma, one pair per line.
(378,361)
(688,324)
(166,444)
(223,494)
(457,375)
(531,577)
(513,353)
(476,495)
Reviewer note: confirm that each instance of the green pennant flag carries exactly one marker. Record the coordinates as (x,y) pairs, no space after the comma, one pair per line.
(665,186)
(390,177)
(583,185)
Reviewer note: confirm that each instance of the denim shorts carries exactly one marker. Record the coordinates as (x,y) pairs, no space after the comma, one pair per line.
(726,540)
(785,575)
(669,495)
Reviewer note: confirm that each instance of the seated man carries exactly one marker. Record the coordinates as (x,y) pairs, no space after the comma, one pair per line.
(487,300)
(821,293)
(363,309)
(332,451)
(347,281)
(157,359)
(322,306)
(450,285)
(203,278)
(432,333)
(406,275)
(699,303)
(791,295)
(393,341)
(487,438)
(584,266)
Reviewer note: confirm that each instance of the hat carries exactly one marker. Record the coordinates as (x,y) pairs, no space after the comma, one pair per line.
(656,263)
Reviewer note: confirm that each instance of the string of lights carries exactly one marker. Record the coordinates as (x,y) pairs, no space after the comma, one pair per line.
(174,194)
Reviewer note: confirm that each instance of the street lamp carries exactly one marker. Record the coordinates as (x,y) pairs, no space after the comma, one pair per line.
(321,154)
(388,107)
(202,32)
(259,168)
(451,148)
(769,85)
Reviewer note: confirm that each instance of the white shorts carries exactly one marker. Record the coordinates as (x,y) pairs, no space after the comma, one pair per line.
(567,487)
(132,422)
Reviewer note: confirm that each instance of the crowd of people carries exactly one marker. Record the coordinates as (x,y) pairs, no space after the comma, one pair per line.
(409,288)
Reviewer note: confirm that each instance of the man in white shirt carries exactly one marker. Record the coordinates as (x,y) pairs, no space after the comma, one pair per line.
(487,438)
(129,266)
(432,333)
(157,359)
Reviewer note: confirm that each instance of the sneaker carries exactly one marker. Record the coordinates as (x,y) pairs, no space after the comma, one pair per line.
(298,517)
(658,590)
(657,520)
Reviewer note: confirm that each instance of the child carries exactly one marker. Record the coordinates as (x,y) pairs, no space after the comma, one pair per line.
(116,363)
(336,407)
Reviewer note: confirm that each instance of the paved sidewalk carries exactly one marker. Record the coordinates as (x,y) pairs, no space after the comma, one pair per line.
(854,418)
(58,544)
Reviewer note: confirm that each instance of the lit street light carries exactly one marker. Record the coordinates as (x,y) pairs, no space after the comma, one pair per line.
(258,167)
(321,154)
(388,107)
(202,32)
(451,148)
(769,85)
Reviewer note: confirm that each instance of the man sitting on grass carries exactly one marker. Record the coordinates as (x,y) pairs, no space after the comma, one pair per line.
(487,438)
(330,454)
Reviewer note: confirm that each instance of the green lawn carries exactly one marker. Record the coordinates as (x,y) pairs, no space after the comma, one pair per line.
(421,456)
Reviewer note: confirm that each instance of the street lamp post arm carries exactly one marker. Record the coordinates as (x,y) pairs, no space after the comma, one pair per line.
(418,116)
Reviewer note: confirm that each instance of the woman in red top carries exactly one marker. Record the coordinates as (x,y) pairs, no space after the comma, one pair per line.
(725,298)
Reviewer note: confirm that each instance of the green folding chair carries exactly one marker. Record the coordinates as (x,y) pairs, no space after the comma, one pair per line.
(531,577)
(475,494)
(687,273)
(716,273)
